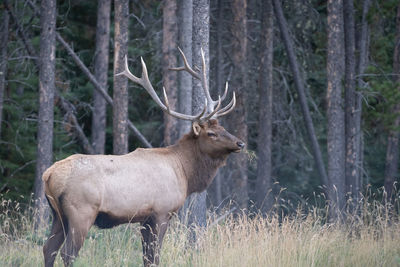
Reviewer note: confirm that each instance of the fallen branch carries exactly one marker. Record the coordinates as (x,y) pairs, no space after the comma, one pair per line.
(77,131)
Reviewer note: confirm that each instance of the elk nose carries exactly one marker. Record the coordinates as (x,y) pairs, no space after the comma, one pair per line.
(240,144)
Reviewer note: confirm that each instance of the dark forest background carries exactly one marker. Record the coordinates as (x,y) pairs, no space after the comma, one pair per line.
(317,85)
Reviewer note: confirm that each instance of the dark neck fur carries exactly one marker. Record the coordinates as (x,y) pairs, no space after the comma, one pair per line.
(199,168)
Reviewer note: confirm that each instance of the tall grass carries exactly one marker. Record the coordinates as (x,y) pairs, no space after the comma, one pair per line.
(370,238)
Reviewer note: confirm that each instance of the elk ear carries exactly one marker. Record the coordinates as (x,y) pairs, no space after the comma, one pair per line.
(196,128)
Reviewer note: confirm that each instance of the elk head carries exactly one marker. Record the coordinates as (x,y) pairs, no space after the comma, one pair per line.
(215,140)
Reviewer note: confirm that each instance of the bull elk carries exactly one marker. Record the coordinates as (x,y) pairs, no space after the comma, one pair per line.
(145,186)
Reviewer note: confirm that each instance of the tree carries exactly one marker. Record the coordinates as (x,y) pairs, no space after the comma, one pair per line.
(351,127)
(184,79)
(335,113)
(236,169)
(362,46)
(216,187)
(46,100)
(120,96)
(170,78)
(264,197)
(392,150)
(3,61)
(101,74)
(195,206)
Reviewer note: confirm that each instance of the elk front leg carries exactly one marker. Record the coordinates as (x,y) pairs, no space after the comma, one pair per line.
(153,231)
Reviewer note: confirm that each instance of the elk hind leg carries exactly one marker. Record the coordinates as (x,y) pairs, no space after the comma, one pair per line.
(54,242)
(79,224)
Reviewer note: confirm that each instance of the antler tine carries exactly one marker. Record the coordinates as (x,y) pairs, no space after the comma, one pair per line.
(225,92)
(215,110)
(204,80)
(228,108)
(146,84)
(186,66)
(127,73)
(166,100)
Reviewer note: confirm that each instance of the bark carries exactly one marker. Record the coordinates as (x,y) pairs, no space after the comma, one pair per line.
(351,127)
(101,75)
(235,171)
(362,64)
(184,79)
(46,102)
(170,78)
(335,113)
(301,92)
(3,61)
(195,206)
(120,96)
(264,197)
(392,150)
(220,84)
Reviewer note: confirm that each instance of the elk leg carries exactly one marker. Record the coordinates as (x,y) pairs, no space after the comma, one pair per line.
(153,232)
(54,242)
(79,223)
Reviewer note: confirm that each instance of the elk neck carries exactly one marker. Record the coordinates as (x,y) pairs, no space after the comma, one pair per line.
(198,167)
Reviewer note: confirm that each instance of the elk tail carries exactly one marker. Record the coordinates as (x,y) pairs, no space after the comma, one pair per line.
(53,201)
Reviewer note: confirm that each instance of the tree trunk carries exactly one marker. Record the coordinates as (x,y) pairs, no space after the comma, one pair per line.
(46,102)
(235,172)
(335,113)
(264,197)
(101,74)
(351,172)
(301,92)
(362,64)
(195,205)
(184,79)
(170,78)
(220,85)
(120,96)
(392,151)
(3,61)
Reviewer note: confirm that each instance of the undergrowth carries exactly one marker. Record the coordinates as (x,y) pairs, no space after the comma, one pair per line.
(371,237)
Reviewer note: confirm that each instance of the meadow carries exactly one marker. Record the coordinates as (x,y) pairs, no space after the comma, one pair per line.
(370,238)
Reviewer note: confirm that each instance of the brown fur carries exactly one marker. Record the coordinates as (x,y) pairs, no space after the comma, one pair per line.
(145,186)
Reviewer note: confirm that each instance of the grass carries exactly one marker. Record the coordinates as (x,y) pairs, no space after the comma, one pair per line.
(371,238)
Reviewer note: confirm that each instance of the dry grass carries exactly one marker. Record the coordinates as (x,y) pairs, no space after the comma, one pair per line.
(369,239)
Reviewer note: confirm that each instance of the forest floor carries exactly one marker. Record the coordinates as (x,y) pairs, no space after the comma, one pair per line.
(368,239)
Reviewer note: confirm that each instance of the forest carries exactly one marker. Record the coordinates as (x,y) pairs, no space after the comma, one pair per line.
(317,93)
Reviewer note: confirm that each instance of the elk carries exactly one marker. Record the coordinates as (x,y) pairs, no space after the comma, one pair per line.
(146,186)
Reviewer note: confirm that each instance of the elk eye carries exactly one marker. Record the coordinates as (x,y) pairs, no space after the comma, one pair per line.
(211,134)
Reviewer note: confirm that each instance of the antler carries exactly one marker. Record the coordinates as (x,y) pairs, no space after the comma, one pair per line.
(215,106)
(146,84)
